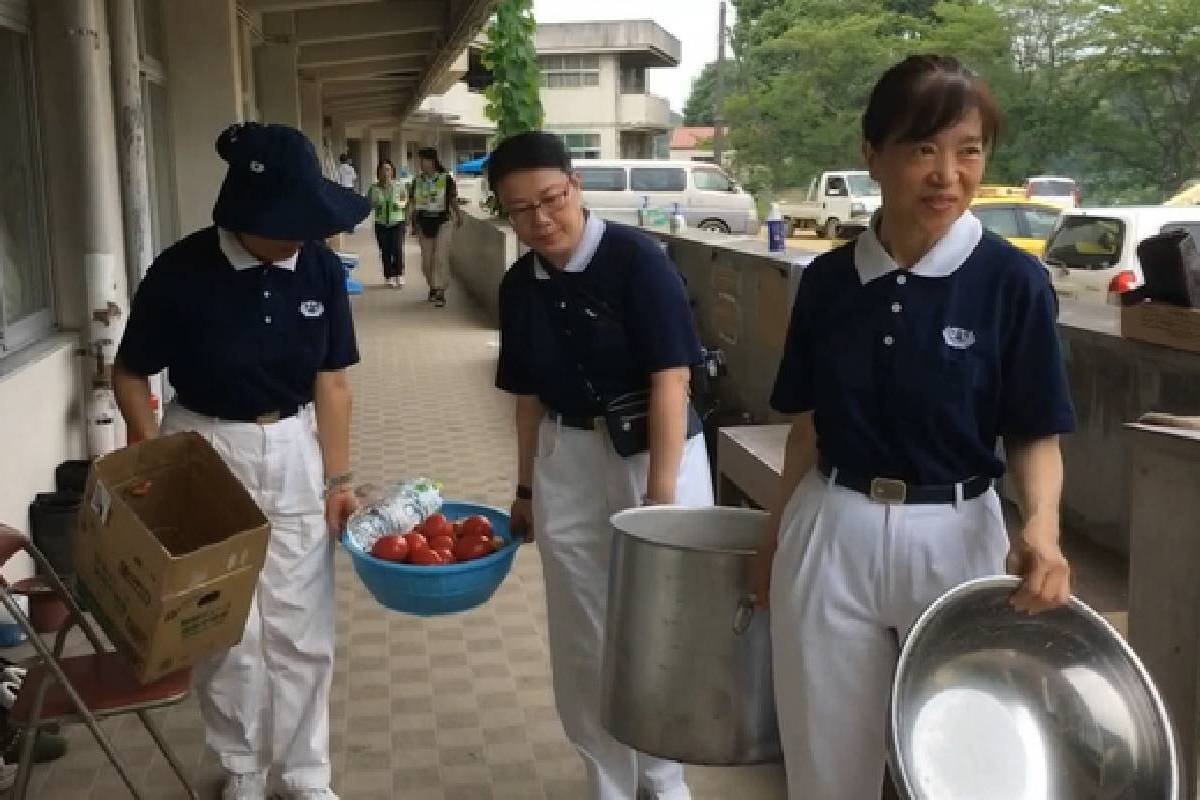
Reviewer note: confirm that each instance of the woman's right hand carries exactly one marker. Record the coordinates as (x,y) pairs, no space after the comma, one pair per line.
(760,577)
(520,519)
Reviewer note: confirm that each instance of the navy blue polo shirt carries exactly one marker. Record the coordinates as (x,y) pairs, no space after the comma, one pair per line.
(914,374)
(616,313)
(239,339)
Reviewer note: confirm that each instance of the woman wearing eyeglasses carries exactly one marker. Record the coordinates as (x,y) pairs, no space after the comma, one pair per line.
(594,322)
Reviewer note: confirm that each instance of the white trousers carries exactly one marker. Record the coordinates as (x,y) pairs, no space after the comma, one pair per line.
(850,578)
(579,481)
(265,701)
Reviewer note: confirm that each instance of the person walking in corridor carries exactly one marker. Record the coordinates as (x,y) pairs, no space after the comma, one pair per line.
(345,175)
(252,320)
(594,322)
(387,200)
(433,204)
(910,352)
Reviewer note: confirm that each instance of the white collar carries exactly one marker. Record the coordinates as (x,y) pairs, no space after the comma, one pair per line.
(241,258)
(873,261)
(593,231)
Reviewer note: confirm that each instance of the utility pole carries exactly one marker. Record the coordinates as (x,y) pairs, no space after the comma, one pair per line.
(719,88)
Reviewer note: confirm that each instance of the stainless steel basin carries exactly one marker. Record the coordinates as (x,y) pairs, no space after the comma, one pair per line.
(992,704)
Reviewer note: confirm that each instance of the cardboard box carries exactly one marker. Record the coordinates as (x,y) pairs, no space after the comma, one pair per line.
(1164,324)
(169,547)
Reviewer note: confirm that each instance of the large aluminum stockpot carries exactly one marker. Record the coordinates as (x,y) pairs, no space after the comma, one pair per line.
(992,704)
(687,658)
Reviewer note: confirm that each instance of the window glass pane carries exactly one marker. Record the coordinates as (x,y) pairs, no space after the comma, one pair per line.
(570,80)
(657,179)
(162,170)
(591,79)
(1040,221)
(589,62)
(1000,221)
(1087,243)
(24,268)
(602,179)
(711,180)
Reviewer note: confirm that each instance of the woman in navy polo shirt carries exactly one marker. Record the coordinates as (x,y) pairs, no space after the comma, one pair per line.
(910,351)
(594,315)
(251,318)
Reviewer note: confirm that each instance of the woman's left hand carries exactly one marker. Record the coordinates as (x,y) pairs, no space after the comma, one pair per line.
(1038,559)
(339,505)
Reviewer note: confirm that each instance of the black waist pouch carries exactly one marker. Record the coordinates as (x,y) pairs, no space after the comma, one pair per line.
(627,419)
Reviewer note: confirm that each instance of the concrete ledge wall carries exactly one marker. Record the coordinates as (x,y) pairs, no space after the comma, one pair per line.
(480,253)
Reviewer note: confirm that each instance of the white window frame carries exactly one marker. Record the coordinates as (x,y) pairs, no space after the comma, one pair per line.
(14,17)
(558,71)
(585,151)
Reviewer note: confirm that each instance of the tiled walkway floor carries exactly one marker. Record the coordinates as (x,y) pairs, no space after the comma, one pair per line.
(453,708)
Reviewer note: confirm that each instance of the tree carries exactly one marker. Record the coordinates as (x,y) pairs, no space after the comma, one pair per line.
(514,99)
(698,110)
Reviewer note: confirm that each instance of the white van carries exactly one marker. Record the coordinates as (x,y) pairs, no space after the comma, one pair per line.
(1093,251)
(1061,192)
(707,197)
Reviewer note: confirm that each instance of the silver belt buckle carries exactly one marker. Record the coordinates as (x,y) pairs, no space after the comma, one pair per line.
(886,490)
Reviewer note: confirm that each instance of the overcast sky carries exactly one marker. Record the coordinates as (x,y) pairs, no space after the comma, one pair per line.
(692,22)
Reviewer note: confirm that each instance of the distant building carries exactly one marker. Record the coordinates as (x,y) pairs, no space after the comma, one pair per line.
(593,94)
(693,144)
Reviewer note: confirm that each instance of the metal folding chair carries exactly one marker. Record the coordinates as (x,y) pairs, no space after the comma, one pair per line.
(84,688)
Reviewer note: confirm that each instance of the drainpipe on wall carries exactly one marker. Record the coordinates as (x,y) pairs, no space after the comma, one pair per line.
(132,151)
(106,315)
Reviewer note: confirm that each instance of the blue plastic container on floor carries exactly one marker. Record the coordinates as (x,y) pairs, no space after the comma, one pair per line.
(445,589)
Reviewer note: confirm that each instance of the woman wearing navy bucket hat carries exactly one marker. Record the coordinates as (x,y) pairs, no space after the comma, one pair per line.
(251,318)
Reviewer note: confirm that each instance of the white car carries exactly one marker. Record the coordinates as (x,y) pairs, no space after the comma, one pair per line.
(1061,192)
(707,197)
(1093,251)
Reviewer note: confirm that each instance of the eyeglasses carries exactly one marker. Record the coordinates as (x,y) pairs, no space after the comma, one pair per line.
(551,203)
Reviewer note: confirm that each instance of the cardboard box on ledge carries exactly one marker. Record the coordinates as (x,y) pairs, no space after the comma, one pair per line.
(169,547)
(1162,324)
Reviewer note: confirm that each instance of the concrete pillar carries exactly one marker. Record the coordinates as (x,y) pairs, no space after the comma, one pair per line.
(370,156)
(312,120)
(131,137)
(206,97)
(275,71)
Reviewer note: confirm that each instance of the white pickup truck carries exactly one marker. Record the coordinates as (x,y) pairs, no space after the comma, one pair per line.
(834,199)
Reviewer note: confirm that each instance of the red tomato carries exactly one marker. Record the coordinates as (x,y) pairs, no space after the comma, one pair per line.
(477,524)
(390,548)
(446,553)
(470,548)
(441,542)
(416,541)
(426,557)
(437,525)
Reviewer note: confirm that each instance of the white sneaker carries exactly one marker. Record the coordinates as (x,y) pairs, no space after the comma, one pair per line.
(400,281)
(245,786)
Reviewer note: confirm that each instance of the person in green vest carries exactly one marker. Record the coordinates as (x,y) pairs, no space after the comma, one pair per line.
(387,201)
(433,203)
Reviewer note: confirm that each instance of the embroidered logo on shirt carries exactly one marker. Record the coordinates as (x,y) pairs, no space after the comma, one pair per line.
(958,338)
(312,308)
(258,166)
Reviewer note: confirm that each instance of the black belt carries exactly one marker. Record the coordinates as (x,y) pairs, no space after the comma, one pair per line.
(265,418)
(894,492)
(583,423)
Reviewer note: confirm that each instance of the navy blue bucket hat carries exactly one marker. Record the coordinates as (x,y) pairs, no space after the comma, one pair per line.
(274,187)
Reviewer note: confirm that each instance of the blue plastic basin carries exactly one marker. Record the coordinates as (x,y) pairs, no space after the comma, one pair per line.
(444,589)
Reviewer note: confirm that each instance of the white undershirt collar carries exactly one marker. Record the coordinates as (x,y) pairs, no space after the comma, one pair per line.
(241,258)
(873,261)
(589,242)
